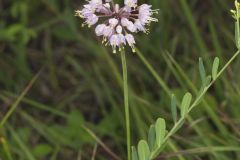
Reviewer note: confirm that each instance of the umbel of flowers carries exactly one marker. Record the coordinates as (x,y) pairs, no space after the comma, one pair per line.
(116,25)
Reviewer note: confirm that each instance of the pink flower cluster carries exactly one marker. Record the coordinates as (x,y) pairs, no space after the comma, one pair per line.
(116,24)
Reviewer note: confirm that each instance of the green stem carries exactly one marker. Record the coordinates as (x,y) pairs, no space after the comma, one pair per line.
(126,104)
(195,103)
(6,148)
(218,75)
(19,99)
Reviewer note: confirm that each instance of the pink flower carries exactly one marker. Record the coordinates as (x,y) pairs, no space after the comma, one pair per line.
(99,30)
(130,3)
(145,14)
(107,32)
(130,40)
(139,25)
(116,22)
(91,19)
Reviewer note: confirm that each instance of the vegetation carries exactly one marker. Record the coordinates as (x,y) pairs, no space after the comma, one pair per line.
(61,91)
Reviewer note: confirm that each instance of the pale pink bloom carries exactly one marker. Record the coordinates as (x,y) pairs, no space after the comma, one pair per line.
(117,23)
(145,14)
(139,25)
(108,31)
(130,3)
(113,22)
(92,19)
(131,27)
(119,29)
(100,29)
(130,39)
(124,22)
(114,42)
(122,39)
(95,2)
(117,40)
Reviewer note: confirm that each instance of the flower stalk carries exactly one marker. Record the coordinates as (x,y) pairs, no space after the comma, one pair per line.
(126,103)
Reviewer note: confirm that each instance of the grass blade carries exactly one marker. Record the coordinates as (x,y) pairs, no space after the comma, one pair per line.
(19,99)
(6,148)
(22,146)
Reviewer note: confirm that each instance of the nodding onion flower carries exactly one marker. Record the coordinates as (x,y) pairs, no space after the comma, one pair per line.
(116,24)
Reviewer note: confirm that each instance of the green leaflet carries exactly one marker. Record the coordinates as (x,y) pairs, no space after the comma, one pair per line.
(134,153)
(143,150)
(215,68)
(160,131)
(185,104)
(151,137)
(208,81)
(202,70)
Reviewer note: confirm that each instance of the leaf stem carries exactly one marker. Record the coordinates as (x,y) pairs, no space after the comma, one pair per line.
(218,75)
(195,103)
(126,103)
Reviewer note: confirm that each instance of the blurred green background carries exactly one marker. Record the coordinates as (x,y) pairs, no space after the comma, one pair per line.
(61,90)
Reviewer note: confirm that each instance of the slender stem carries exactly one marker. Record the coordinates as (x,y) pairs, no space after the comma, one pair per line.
(126,104)
(154,73)
(19,99)
(228,63)
(218,75)
(98,140)
(196,102)
(238,29)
